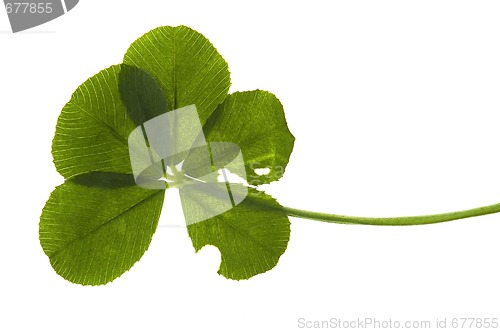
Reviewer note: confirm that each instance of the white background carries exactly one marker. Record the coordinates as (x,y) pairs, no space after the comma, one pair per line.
(395,109)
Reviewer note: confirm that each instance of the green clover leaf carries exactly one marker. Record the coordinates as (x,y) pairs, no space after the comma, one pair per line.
(255,121)
(251,236)
(93,234)
(186,66)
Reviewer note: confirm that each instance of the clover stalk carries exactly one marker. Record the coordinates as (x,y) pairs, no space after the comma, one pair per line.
(393,221)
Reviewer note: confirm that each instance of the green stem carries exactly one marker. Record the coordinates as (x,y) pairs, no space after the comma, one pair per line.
(393,221)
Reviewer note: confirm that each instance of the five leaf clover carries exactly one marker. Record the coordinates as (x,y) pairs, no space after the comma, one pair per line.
(164,118)
(100,221)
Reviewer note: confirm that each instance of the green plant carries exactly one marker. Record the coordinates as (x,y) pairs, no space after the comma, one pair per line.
(98,223)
